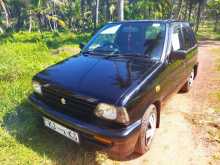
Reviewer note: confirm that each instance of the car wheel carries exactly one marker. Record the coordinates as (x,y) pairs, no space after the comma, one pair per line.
(148,129)
(188,85)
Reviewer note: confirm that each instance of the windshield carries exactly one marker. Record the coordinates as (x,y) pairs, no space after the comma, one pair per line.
(130,38)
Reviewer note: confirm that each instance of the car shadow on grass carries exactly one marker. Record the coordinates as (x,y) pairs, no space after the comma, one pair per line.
(26,126)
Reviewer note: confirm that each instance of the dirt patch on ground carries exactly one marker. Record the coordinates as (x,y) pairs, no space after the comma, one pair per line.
(184,135)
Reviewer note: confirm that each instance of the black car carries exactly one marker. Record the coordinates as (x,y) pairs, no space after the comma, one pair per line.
(111,93)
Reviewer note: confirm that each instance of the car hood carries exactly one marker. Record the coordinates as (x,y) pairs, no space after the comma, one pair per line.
(93,76)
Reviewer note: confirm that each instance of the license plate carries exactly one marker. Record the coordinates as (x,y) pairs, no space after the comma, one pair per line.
(61,129)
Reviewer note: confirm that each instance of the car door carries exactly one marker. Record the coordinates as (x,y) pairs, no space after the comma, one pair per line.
(190,47)
(173,70)
(177,67)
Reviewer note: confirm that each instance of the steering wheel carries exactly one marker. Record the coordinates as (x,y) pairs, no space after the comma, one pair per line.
(110,45)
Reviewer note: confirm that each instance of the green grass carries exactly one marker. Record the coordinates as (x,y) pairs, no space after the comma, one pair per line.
(23,139)
(206,32)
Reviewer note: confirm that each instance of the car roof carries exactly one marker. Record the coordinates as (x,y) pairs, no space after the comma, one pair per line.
(160,21)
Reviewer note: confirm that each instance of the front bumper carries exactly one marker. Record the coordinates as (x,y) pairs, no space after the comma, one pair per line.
(123,140)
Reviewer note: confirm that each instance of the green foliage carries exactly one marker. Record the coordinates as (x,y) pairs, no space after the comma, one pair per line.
(79,15)
(23,139)
(142,9)
(214,7)
(51,40)
(206,32)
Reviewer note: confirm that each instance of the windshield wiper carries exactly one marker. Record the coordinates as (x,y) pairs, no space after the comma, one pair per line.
(127,55)
(92,52)
(131,55)
(114,55)
(88,52)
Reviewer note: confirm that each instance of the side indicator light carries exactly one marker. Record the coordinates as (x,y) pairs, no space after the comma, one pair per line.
(157,88)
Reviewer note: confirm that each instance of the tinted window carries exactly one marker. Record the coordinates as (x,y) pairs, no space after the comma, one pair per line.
(189,38)
(186,39)
(192,35)
(143,38)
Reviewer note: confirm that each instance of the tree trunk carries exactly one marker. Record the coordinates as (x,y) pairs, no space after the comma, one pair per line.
(97,13)
(1,30)
(190,10)
(216,22)
(54,15)
(20,21)
(107,10)
(6,12)
(198,16)
(120,10)
(179,9)
(185,12)
(82,6)
(30,21)
(51,28)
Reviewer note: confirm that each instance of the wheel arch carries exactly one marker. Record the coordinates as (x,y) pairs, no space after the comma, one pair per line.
(195,70)
(158,106)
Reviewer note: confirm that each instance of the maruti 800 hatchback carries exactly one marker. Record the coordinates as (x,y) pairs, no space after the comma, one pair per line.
(110,94)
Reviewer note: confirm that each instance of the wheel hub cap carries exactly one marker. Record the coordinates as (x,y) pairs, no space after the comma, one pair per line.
(190,81)
(151,128)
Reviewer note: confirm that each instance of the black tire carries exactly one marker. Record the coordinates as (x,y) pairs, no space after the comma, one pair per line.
(188,85)
(143,144)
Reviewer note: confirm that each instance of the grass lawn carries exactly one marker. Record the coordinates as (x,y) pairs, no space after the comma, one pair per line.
(23,138)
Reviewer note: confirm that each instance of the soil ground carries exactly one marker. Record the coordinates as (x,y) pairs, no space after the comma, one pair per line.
(182,138)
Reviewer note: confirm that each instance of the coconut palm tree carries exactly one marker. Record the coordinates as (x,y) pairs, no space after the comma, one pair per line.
(120,10)
(2,3)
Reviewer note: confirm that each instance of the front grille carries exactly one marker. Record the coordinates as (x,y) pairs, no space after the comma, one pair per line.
(73,106)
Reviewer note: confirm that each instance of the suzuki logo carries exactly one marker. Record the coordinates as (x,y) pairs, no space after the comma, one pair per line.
(63,101)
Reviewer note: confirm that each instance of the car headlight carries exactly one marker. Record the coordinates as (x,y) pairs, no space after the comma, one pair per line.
(37,87)
(110,112)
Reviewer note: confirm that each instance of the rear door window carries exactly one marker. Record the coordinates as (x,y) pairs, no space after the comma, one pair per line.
(177,39)
(192,35)
(189,39)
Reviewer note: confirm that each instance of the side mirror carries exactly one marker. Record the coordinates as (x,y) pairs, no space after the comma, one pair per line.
(81,45)
(177,55)
(192,24)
